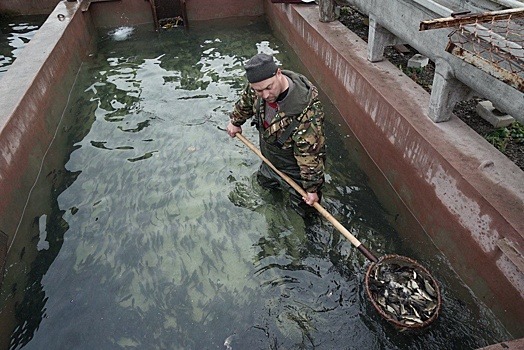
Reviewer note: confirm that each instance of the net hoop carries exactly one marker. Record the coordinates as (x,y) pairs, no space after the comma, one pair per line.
(404,261)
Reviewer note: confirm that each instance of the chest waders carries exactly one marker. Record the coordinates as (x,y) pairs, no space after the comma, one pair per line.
(284,160)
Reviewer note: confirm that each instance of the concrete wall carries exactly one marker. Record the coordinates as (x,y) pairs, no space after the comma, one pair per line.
(123,13)
(34,93)
(28,7)
(139,12)
(130,12)
(34,87)
(217,9)
(464,193)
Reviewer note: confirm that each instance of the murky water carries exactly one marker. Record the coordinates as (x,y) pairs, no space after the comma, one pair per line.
(159,237)
(15,33)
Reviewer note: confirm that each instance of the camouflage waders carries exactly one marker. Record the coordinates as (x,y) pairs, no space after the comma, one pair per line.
(283,160)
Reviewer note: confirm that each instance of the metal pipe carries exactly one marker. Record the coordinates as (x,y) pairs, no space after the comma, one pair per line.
(435,7)
(510,3)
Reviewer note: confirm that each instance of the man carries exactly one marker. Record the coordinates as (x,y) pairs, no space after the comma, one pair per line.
(290,121)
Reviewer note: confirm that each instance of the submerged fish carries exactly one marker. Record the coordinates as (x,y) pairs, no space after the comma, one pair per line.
(228,343)
(404,294)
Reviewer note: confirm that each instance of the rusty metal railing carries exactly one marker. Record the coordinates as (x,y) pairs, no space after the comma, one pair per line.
(491,41)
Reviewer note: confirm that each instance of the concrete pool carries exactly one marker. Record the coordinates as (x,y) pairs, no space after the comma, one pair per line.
(412,196)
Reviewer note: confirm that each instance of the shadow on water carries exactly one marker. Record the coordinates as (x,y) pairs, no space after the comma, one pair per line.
(159,237)
(32,307)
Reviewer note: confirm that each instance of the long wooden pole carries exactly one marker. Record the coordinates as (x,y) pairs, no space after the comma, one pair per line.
(317,205)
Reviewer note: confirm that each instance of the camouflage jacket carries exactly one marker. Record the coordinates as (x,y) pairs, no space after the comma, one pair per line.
(308,140)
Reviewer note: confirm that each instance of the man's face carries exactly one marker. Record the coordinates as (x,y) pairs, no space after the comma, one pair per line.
(269,89)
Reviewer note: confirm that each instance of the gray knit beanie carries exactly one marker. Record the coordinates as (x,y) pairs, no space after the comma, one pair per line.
(260,67)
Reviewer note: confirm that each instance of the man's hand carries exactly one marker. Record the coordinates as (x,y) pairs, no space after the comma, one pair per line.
(311,198)
(232,130)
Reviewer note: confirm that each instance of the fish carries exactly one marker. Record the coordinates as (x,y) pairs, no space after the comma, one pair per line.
(402,293)
(429,289)
(229,341)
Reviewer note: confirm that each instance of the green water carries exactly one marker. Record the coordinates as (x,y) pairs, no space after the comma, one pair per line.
(15,33)
(159,237)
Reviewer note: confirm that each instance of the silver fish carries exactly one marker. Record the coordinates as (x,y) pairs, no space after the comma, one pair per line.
(404,294)
(229,341)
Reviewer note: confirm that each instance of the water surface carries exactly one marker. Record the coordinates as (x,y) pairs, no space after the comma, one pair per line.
(159,238)
(15,34)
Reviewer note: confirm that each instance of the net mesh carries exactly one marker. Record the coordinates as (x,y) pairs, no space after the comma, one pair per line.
(495,46)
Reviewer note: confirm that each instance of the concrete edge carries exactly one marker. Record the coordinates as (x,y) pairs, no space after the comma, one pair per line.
(36,86)
(517,344)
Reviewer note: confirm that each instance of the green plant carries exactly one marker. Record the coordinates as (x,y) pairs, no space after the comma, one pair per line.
(517,132)
(413,72)
(498,138)
(501,136)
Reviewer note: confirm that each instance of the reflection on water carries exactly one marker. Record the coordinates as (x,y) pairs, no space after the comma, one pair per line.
(161,238)
(15,33)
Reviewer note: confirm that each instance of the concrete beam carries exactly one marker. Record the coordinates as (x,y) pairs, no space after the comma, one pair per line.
(445,93)
(378,39)
(402,18)
(326,10)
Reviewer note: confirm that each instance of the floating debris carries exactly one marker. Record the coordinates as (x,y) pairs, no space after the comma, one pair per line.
(168,23)
(403,293)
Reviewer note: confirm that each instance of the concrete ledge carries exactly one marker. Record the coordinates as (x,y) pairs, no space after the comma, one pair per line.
(517,344)
(34,87)
(465,194)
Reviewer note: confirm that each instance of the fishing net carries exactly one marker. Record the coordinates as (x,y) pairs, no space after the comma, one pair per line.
(494,46)
(491,41)
(403,292)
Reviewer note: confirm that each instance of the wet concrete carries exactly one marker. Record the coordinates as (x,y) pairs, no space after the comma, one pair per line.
(209,9)
(468,197)
(35,87)
(139,12)
(132,13)
(34,94)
